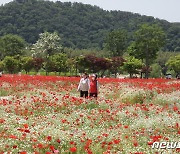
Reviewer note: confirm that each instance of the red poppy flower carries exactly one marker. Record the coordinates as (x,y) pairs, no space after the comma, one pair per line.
(51,147)
(23,152)
(58,140)
(49,138)
(135,144)
(73,149)
(126,126)
(150,143)
(27,131)
(14,146)
(26,126)
(13,136)
(116,141)
(40,146)
(2,121)
(72,142)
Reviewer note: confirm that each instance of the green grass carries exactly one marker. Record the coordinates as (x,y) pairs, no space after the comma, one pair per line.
(3,92)
(49,74)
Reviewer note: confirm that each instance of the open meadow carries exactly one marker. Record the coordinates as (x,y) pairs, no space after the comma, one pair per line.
(45,115)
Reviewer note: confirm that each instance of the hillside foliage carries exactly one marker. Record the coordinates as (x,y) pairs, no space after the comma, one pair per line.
(80,26)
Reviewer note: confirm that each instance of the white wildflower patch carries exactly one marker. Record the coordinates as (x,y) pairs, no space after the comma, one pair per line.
(48,116)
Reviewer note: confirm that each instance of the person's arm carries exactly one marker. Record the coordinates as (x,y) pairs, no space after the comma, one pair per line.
(97,86)
(79,85)
(88,84)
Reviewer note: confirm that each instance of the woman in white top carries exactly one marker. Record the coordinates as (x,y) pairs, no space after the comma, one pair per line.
(84,85)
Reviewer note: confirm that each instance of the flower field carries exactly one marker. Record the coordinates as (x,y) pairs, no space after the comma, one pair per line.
(44,115)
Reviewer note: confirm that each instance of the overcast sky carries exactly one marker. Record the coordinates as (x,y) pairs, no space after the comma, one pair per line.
(163,9)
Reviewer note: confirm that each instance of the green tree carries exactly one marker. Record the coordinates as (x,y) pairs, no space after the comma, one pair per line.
(57,63)
(162,59)
(11,45)
(82,26)
(60,62)
(49,65)
(116,42)
(81,64)
(156,71)
(116,63)
(132,65)
(11,64)
(148,40)
(174,64)
(27,63)
(1,66)
(37,63)
(71,63)
(47,44)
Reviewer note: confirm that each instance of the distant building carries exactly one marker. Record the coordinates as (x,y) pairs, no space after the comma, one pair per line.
(168,76)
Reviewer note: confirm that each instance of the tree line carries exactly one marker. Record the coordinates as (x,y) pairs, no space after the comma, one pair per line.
(49,55)
(80,26)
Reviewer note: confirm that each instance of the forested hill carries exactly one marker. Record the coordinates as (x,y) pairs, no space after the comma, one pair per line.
(79,25)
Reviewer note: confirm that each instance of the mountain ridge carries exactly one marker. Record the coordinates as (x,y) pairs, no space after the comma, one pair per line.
(79,25)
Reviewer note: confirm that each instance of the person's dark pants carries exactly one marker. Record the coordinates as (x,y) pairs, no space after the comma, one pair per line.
(84,94)
(93,95)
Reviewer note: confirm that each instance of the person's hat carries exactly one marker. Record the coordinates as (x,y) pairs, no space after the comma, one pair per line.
(94,75)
